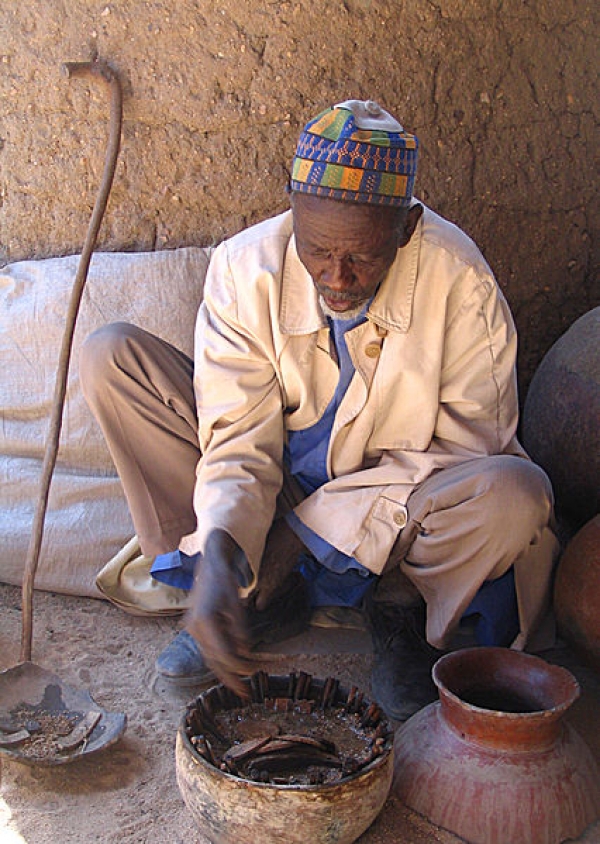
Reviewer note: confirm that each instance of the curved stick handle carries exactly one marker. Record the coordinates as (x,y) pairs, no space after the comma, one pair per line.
(101,69)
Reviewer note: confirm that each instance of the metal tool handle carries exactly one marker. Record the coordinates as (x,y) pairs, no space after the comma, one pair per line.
(99,69)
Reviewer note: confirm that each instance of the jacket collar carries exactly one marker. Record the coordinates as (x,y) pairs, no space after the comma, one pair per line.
(391,308)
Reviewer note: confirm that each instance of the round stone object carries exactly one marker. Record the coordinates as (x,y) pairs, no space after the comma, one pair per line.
(577,592)
(561,419)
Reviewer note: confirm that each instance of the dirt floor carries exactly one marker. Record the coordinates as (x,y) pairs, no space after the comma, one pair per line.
(127,794)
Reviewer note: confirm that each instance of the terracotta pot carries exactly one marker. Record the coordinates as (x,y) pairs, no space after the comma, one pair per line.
(232,810)
(577,592)
(493,760)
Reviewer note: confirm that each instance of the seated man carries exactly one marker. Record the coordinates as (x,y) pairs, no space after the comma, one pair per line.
(345,434)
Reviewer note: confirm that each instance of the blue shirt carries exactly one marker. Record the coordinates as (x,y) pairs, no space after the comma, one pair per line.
(339,579)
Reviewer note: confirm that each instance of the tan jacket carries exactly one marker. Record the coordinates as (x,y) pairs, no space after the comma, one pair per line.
(434,385)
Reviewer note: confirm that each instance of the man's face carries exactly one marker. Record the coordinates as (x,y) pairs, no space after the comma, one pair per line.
(346,247)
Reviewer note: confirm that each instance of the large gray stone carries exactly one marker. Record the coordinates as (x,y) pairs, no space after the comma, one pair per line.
(561,419)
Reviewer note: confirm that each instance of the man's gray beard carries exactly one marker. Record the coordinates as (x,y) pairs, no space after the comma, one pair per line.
(352,313)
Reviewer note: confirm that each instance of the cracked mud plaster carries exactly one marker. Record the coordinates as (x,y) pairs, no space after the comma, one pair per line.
(501,92)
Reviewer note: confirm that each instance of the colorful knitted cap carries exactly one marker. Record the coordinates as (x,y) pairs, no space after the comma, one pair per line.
(357,152)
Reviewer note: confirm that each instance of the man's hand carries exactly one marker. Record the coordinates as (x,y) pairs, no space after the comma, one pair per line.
(279,559)
(216,616)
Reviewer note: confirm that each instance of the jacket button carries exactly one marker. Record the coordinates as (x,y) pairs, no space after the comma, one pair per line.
(400,518)
(372,350)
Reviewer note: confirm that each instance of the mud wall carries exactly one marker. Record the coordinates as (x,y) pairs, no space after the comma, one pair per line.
(501,92)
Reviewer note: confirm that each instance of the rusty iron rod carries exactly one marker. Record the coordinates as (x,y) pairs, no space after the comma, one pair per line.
(100,70)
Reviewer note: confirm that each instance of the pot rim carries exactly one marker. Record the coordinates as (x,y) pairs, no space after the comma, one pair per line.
(370,768)
(386,756)
(492,652)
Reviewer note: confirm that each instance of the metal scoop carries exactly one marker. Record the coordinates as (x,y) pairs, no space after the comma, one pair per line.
(43,721)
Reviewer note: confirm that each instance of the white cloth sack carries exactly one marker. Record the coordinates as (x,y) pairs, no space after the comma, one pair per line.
(87,521)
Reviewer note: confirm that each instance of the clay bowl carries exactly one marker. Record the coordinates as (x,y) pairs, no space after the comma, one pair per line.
(232,808)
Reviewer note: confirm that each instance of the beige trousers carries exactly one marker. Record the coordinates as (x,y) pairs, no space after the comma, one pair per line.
(466,525)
